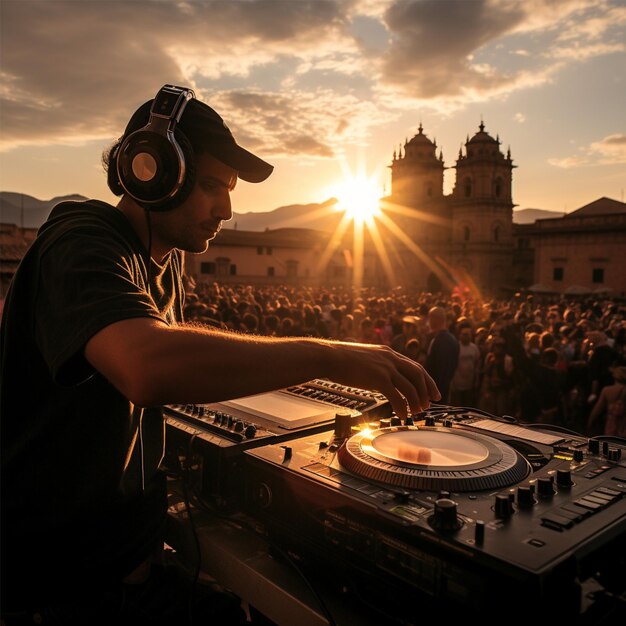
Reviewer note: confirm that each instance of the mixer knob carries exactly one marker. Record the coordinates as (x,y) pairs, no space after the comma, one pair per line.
(287,454)
(614,454)
(594,446)
(395,420)
(564,478)
(443,494)
(479,532)
(343,425)
(408,421)
(503,506)
(239,426)
(385,422)
(525,497)
(430,420)
(605,448)
(250,431)
(545,487)
(578,455)
(447,422)
(444,517)
(230,421)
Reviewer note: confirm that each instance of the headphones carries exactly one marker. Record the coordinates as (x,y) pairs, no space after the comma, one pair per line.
(155,164)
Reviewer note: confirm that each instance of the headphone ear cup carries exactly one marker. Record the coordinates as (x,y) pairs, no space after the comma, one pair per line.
(153,168)
(113,180)
(190,175)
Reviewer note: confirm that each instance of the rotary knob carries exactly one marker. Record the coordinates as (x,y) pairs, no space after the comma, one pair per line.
(564,478)
(614,454)
(503,506)
(545,487)
(594,446)
(578,455)
(343,425)
(395,420)
(250,431)
(430,420)
(525,498)
(444,517)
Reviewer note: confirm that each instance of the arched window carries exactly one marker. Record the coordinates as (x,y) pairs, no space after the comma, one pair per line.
(496,233)
(466,233)
(468,187)
(498,187)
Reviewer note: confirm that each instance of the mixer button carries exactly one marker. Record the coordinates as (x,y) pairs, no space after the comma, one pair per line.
(609,492)
(557,522)
(600,501)
(588,504)
(598,495)
(579,510)
(575,517)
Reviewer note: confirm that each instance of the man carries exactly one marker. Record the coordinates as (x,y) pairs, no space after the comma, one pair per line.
(94,342)
(464,386)
(443,352)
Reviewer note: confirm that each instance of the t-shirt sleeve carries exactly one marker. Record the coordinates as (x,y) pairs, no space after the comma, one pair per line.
(85,284)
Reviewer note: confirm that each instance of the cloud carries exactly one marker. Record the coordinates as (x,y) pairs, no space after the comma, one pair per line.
(74,71)
(295,76)
(436,45)
(520,117)
(610,150)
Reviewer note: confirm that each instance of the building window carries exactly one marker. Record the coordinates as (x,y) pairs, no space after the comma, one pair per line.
(292,269)
(207,268)
(468,187)
(268,250)
(558,273)
(270,271)
(222,266)
(523,244)
(466,233)
(496,233)
(498,187)
(597,275)
(233,270)
(259,250)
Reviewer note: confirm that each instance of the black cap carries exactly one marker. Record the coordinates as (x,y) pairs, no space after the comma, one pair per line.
(202,125)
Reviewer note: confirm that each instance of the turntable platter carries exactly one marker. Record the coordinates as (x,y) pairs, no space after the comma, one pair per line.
(433,458)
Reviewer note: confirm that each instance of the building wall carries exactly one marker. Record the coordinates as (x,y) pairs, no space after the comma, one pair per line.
(579,248)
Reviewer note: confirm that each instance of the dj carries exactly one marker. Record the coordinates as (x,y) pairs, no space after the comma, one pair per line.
(94,342)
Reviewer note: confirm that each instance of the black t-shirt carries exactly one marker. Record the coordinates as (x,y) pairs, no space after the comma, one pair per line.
(76,505)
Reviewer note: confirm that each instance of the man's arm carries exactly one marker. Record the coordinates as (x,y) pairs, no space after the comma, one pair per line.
(154,364)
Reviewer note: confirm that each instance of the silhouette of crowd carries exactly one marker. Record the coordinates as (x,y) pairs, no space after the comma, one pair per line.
(540,360)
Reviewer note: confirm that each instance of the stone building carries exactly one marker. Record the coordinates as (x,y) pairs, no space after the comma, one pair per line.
(462,238)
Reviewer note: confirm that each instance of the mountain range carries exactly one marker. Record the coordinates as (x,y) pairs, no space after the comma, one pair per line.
(30,212)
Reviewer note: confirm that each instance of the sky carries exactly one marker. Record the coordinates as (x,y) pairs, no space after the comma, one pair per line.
(322,89)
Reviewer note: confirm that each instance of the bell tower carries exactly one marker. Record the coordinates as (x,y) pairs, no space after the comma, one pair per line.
(482,211)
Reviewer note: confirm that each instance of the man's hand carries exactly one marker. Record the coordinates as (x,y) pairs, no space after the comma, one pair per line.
(405,383)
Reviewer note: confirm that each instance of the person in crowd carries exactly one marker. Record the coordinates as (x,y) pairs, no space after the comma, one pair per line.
(443,352)
(93,327)
(608,416)
(464,386)
(498,381)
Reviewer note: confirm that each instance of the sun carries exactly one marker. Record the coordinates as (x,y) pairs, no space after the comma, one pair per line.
(359,197)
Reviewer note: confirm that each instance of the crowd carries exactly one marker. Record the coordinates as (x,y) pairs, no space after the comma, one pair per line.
(539,360)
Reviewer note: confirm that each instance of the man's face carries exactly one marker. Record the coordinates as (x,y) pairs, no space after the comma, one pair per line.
(465,336)
(196,221)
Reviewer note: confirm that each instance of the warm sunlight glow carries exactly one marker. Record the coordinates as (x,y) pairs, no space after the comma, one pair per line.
(359,198)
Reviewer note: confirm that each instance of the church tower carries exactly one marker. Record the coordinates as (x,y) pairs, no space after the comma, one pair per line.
(417,174)
(482,212)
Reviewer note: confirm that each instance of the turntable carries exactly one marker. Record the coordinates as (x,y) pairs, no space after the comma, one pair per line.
(455,507)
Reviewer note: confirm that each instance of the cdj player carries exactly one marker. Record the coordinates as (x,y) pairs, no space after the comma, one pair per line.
(455,512)
(212,437)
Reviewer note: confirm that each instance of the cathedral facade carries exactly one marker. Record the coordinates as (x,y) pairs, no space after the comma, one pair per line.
(464,239)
